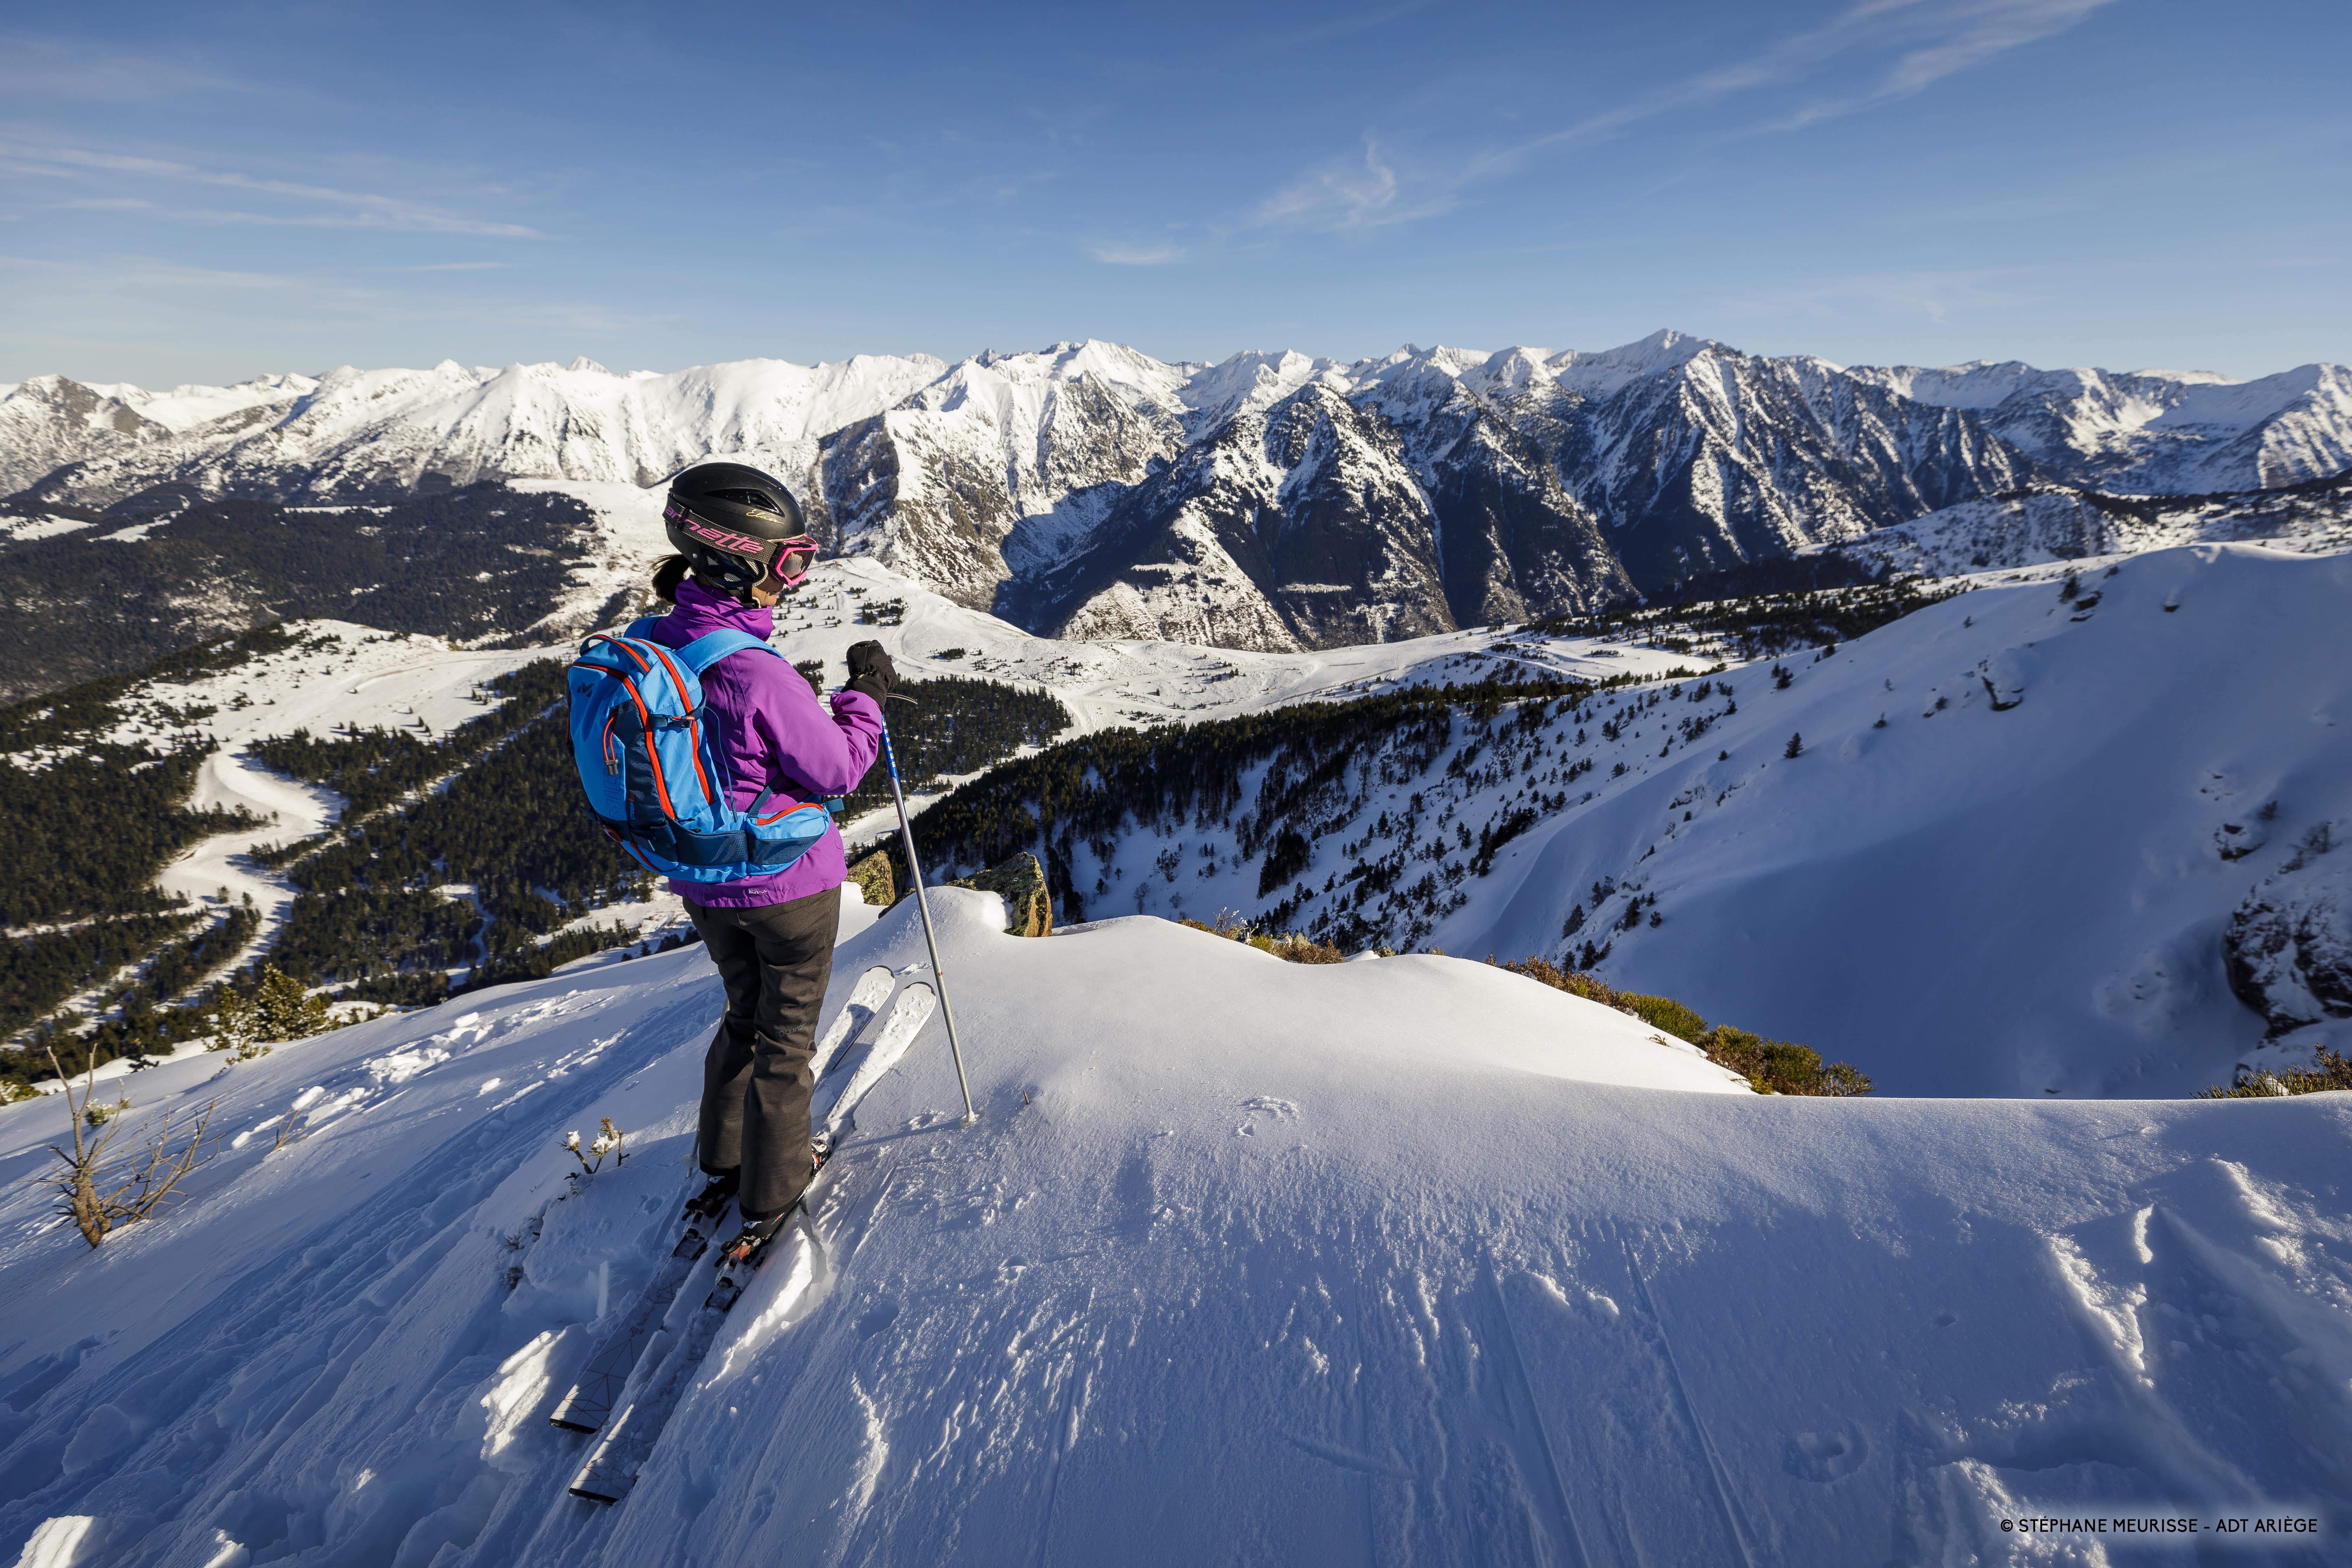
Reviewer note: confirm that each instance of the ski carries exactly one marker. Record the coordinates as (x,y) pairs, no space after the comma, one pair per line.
(865,999)
(629,1438)
(612,1470)
(589,1405)
(830,1106)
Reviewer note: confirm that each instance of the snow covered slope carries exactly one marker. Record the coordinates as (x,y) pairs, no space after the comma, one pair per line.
(2061,865)
(2050,523)
(2028,880)
(2039,895)
(1410,1260)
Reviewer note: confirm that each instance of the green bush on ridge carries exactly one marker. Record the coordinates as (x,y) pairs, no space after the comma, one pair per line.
(1770,1067)
(2328,1071)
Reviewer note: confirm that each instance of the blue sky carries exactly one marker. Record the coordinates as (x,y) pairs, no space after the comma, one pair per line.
(207,192)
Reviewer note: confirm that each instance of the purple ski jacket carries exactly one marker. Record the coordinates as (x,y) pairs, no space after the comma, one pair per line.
(774,732)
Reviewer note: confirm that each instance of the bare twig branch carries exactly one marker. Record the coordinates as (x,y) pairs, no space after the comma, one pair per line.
(97,1192)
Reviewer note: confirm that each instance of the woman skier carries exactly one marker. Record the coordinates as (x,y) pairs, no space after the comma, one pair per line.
(741,543)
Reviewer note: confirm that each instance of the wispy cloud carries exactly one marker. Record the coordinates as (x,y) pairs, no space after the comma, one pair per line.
(456,267)
(1936,296)
(32,68)
(1977,34)
(313,205)
(1928,40)
(1354,22)
(1351,194)
(1119,255)
(1937,37)
(159,294)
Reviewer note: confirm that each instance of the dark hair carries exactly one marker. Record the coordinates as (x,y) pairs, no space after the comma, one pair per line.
(668,572)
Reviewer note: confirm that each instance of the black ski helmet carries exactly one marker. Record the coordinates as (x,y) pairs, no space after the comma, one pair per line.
(737,526)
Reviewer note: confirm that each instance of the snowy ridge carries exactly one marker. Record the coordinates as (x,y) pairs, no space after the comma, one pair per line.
(2056,868)
(355,430)
(2053,523)
(2165,432)
(2042,864)
(1270,500)
(1245,1259)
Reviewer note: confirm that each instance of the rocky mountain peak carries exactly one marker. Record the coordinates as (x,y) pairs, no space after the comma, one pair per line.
(1273,498)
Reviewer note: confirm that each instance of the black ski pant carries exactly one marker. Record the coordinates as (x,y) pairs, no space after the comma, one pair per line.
(775,960)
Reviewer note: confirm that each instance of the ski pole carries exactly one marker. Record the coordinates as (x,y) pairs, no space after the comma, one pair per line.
(930,938)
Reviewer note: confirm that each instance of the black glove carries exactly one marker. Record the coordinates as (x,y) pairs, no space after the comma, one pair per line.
(871,671)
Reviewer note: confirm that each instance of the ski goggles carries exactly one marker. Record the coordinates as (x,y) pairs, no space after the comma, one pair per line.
(746,560)
(793,559)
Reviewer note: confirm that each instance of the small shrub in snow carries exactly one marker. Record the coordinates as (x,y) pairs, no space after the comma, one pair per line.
(286,1010)
(2328,1071)
(607,1142)
(1796,746)
(1664,1013)
(1779,1066)
(1770,1067)
(279,1007)
(100,1192)
(1295,948)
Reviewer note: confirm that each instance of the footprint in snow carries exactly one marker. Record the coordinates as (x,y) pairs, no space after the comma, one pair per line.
(1280,1110)
(1825,1457)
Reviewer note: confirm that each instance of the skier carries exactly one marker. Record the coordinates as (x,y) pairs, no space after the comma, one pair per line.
(740,544)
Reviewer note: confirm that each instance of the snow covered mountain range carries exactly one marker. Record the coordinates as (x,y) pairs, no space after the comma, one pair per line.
(1270,502)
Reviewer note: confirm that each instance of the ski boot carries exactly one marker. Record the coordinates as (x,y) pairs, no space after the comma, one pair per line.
(712,1201)
(742,1254)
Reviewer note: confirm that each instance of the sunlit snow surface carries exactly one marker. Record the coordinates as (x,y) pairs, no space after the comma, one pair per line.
(1409,1260)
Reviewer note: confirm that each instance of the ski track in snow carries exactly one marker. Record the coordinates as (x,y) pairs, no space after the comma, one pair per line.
(1457,1300)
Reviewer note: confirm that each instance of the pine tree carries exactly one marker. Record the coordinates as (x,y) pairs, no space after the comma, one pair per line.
(1796,745)
(285,1010)
(236,1026)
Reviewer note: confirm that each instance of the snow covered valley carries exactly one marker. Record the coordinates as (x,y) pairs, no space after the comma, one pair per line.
(1406,1260)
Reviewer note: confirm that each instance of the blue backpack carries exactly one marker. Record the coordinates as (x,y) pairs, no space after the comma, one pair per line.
(656,781)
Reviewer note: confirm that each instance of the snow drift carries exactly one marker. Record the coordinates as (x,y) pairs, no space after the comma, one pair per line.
(1407,1260)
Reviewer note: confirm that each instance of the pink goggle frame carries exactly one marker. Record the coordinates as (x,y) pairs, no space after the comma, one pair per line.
(789,564)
